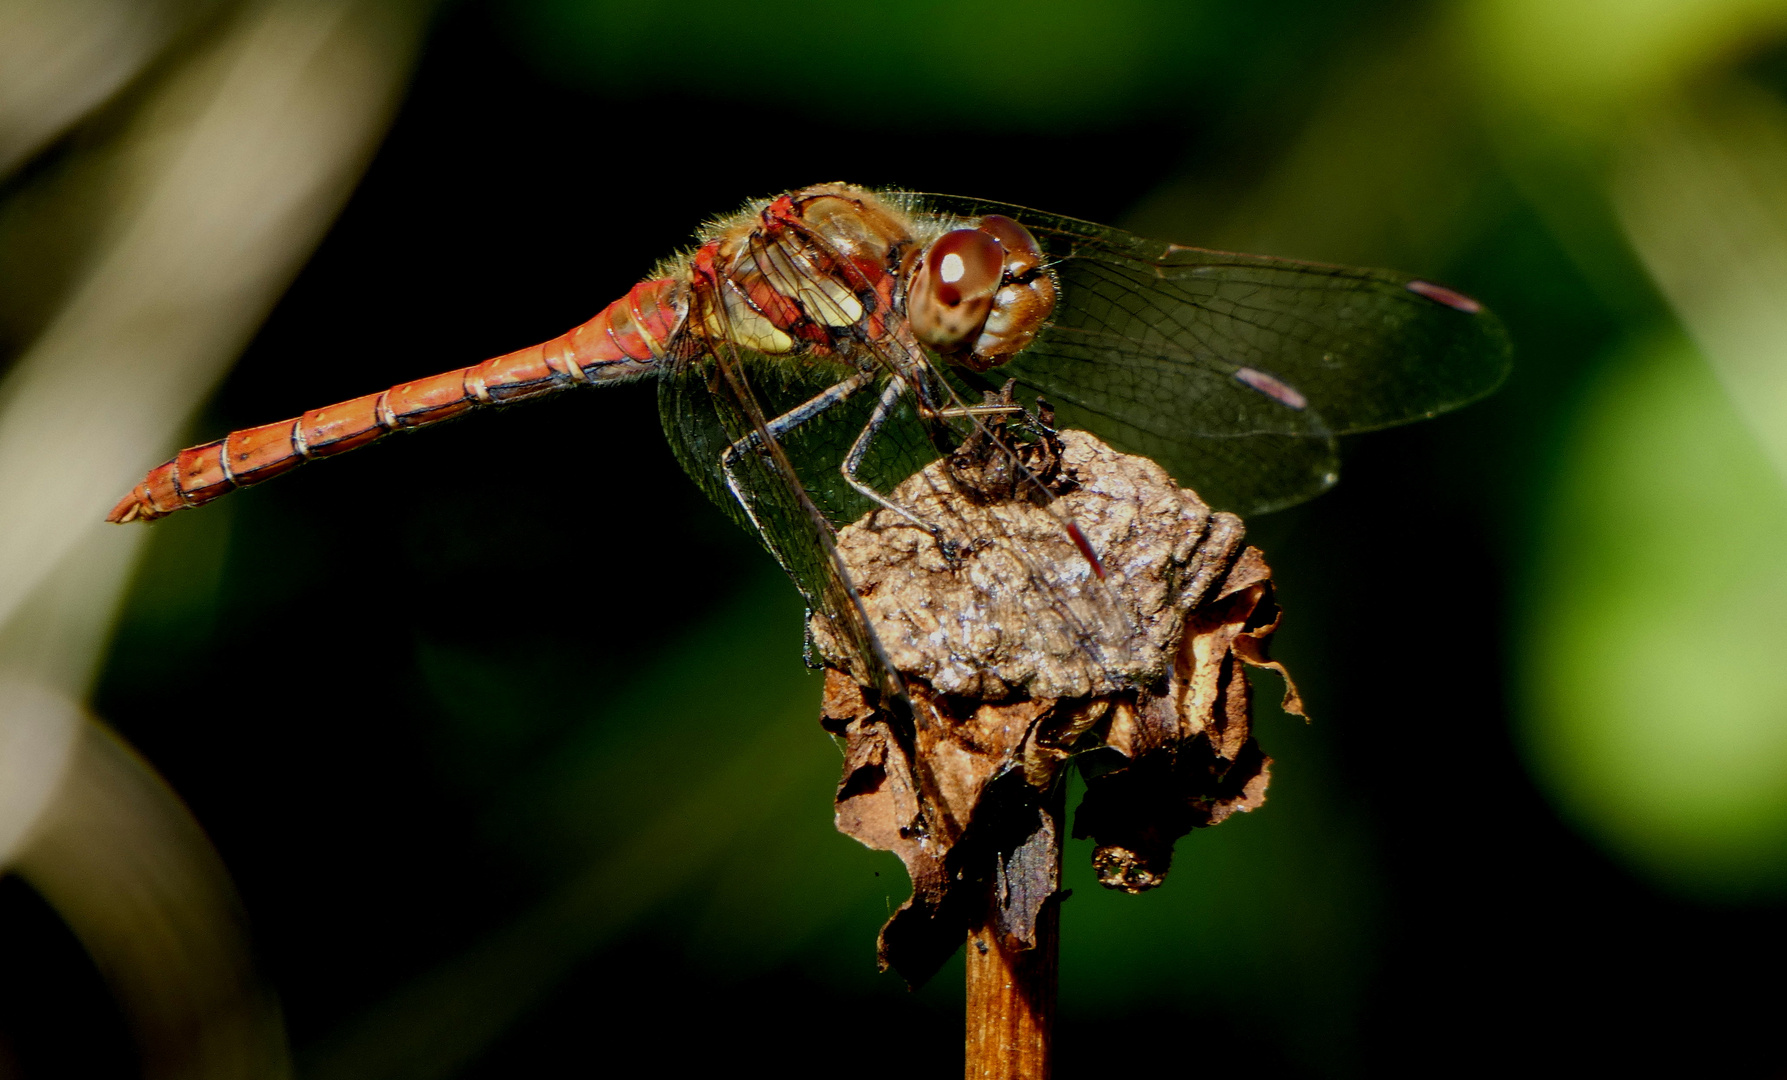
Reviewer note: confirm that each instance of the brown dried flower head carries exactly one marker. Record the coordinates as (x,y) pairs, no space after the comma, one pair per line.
(1019,654)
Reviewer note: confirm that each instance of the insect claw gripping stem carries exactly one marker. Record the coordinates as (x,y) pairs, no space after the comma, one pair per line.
(624,341)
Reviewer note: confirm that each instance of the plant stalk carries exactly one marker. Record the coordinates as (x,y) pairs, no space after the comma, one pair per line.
(1011,991)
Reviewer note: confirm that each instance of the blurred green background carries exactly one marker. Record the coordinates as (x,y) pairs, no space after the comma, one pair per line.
(502,732)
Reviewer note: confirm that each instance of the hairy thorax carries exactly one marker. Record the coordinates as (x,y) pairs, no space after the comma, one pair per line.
(838,270)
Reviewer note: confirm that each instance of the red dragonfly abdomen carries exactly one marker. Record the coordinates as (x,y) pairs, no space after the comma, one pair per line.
(625,341)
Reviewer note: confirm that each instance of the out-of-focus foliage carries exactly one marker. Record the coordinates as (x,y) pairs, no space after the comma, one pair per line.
(1658,692)
(211,145)
(928,62)
(1590,62)
(1657,703)
(502,731)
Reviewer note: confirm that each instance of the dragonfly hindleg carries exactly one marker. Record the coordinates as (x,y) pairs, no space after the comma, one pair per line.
(781,425)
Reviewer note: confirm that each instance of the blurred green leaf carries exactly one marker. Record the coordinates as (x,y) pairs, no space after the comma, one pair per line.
(914,62)
(1582,63)
(1657,699)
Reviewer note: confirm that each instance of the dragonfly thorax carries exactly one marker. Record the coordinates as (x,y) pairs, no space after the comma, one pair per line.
(814,271)
(834,269)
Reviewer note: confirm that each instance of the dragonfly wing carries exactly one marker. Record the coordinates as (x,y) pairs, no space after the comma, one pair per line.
(1236,371)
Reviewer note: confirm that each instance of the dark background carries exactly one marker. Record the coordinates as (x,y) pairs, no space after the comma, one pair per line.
(506,721)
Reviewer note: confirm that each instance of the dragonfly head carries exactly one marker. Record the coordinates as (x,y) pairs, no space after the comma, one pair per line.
(979,295)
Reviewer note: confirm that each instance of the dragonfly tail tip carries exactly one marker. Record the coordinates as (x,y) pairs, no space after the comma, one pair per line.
(129,509)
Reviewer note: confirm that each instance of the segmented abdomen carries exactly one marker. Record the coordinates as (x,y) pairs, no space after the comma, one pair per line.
(625,341)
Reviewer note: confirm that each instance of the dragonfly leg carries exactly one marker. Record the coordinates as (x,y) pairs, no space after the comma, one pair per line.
(976,410)
(780,426)
(884,408)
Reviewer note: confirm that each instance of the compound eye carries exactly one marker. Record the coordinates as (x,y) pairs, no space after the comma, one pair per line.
(952,290)
(1022,253)
(965,265)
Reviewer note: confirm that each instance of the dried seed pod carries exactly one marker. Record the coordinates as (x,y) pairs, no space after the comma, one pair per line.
(1018,658)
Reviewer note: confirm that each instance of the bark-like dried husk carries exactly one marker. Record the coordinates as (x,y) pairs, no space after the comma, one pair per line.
(1017,655)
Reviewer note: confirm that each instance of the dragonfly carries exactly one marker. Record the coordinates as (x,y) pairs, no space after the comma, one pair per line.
(816,348)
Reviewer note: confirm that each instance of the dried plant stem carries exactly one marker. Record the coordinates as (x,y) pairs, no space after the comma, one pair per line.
(1011,1004)
(1011,991)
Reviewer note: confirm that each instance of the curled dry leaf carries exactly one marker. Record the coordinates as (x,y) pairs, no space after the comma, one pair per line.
(1020,653)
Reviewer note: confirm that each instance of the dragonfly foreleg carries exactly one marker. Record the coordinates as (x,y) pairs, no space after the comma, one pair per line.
(780,426)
